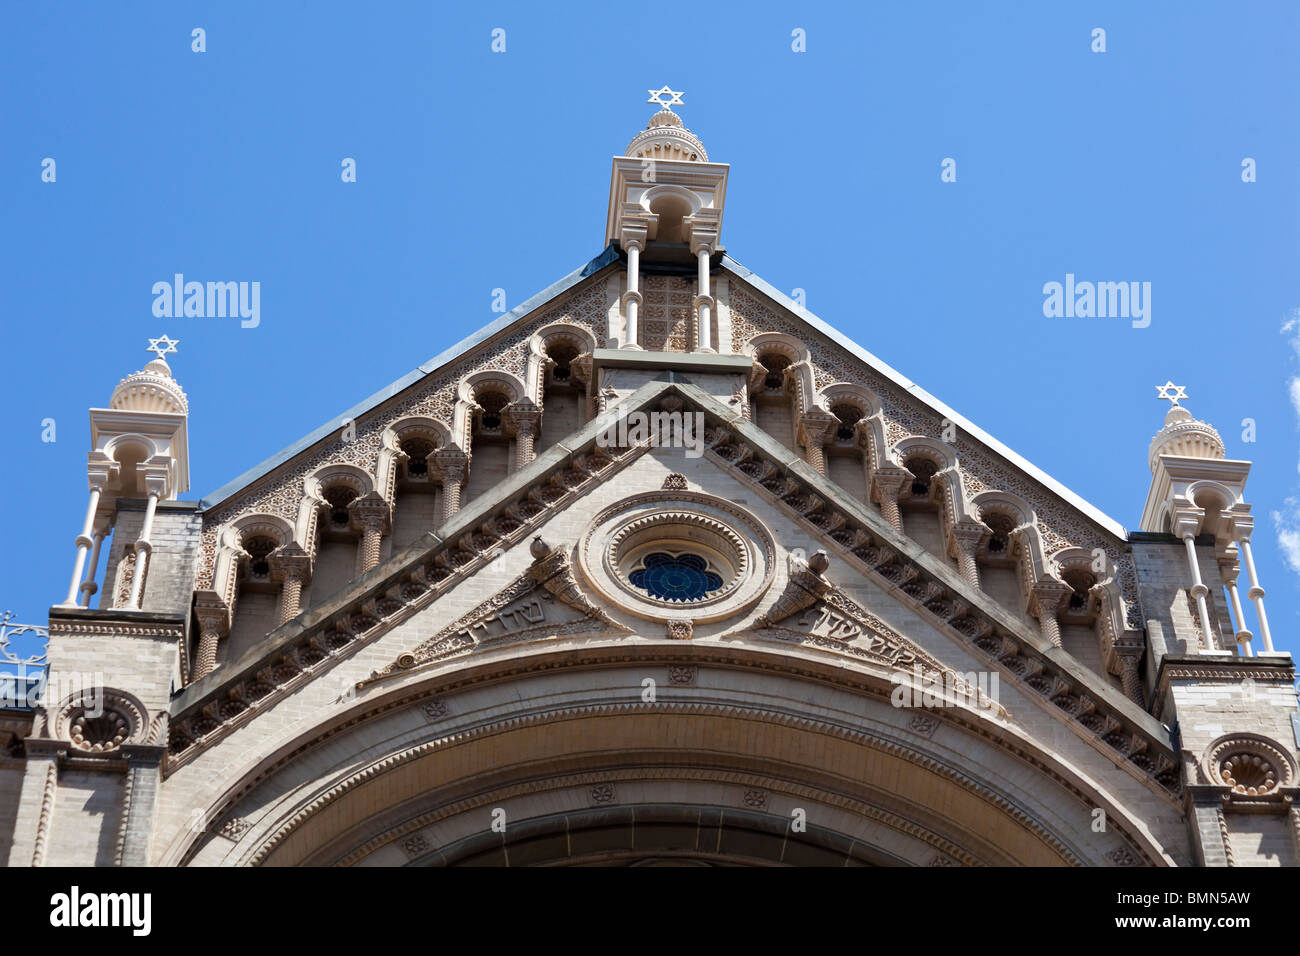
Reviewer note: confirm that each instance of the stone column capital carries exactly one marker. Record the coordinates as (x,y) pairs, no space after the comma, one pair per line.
(1242,528)
(580,368)
(817,425)
(968,533)
(452,463)
(1048,596)
(889,481)
(290,561)
(211,611)
(370,512)
(1185,520)
(521,417)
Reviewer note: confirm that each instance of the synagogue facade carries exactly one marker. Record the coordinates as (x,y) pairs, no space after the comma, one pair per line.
(657,569)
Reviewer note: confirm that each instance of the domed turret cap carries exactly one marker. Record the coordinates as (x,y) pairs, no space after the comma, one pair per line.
(665,138)
(1186,437)
(152,389)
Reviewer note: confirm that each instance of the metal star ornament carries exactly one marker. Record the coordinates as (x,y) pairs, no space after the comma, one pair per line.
(166,347)
(1179,391)
(657,96)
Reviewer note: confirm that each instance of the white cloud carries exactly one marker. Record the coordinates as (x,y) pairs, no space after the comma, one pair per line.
(1287,521)
(1287,524)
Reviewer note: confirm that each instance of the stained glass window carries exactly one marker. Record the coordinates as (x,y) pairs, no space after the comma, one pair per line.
(684,577)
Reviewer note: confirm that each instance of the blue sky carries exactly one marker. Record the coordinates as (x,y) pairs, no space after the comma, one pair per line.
(479,170)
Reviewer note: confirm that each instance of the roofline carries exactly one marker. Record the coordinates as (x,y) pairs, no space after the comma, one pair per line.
(607,256)
(897,378)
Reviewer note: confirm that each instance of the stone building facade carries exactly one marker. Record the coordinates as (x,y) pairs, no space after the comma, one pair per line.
(657,569)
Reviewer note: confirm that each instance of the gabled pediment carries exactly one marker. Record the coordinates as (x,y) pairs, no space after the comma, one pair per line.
(464,549)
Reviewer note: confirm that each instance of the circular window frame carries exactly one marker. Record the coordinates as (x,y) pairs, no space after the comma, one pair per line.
(735,544)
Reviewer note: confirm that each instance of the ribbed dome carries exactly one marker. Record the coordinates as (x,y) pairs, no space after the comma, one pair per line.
(1183,435)
(667,139)
(152,389)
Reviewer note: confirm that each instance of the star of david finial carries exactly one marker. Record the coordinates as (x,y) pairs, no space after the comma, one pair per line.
(1163,391)
(166,347)
(657,96)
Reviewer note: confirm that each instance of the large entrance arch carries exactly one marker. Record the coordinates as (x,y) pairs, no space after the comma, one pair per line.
(743,756)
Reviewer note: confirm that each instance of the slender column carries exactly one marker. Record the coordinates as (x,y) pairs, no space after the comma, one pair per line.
(815,426)
(142,550)
(290,596)
(88,585)
(291,566)
(214,621)
(1256,594)
(370,516)
(1128,674)
(1199,590)
(1048,599)
(888,485)
(1229,571)
(522,420)
(632,298)
(453,464)
(968,536)
(83,546)
(704,304)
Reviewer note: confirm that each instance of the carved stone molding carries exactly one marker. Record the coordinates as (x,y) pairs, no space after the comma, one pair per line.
(1249,765)
(524,607)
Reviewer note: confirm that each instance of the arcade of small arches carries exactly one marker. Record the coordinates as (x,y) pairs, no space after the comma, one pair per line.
(268,569)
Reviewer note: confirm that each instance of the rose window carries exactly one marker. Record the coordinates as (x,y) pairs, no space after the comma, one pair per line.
(671,550)
(683,577)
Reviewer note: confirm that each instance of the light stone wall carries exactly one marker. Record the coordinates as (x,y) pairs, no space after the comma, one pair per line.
(415,513)
(11,788)
(87,818)
(1259,840)
(199,782)
(1003,585)
(488,467)
(255,617)
(562,415)
(847,471)
(776,417)
(925,527)
(336,565)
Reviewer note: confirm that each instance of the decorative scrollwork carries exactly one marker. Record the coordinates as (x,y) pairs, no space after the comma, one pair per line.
(8,632)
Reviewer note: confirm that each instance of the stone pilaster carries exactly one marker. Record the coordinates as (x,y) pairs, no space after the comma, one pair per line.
(139,804)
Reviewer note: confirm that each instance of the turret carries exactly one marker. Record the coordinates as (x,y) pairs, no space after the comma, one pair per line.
(139,449)
(666,201)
